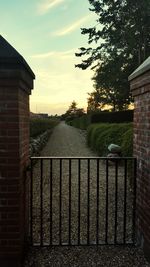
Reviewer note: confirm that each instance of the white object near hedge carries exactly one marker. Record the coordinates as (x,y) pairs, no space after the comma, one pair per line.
(114,148)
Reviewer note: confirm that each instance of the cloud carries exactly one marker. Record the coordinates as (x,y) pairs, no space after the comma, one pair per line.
(63,54)
(46,5)
(49,107)
(58,82)
(72,27)
(66,54)
(62,85)
(44,55)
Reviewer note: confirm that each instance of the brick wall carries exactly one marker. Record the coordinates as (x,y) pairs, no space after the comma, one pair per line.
(16,82)
(140,88)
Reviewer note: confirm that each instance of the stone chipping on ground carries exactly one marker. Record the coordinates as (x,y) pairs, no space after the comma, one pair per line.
(67,141)
(86,257)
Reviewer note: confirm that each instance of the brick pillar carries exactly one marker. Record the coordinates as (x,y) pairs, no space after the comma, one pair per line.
(140,88)
(16,82)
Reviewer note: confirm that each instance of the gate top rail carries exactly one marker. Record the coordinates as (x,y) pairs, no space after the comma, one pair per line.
(105,158)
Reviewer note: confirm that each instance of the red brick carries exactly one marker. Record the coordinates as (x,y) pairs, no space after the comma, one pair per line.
(140,88)
(15,87)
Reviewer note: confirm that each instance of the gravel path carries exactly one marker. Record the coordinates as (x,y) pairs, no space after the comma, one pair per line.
(67,141)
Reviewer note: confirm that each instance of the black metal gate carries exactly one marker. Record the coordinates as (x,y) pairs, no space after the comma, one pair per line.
(82,201)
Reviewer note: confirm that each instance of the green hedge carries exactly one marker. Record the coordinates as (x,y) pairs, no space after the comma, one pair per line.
(127,142)
(40,125)
(101,117)
(112,117)
(99,136)
(82,122)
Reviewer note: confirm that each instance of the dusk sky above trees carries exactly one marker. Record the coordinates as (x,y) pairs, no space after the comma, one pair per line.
(47,34)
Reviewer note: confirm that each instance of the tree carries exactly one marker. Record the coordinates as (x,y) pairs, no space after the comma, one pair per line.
(96,101)
(72,108)
(111,84)
(122,37)
(73,112)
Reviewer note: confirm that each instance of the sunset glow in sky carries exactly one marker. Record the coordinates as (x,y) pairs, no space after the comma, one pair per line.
(47,34)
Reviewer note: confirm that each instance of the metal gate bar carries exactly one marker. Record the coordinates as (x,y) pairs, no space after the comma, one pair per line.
(79,200)
(97,213)
(51,199)
(117,162)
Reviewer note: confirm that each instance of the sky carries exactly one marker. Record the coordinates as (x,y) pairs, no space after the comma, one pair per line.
(47,34)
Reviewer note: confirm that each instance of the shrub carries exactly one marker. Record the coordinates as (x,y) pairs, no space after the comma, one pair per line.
(97,131)
(127,143)
(101,135)
(40,125)
(81,122)
(112,117)
(101,117)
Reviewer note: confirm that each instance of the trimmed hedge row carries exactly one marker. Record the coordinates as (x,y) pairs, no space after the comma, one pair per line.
(102,117)
(82,122)
(113,117)
(99,136)
(40,125)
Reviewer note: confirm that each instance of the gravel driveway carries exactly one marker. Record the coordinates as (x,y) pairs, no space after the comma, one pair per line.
(67,141)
